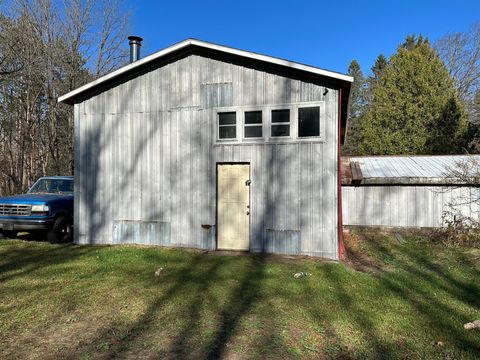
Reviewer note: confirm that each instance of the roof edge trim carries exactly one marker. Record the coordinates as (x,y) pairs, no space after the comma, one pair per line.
(188,42)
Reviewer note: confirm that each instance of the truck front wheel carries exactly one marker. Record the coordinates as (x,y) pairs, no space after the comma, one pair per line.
(61,230)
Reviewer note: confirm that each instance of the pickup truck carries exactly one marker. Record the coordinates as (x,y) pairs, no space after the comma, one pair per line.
(46,209)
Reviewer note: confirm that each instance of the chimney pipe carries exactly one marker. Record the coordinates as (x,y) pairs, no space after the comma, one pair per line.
(135,44)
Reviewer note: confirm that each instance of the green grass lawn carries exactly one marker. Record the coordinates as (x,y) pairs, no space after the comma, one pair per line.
(390,300)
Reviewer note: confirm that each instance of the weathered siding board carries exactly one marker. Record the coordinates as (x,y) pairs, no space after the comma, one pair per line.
(147,153)
(217,95)
(286,242)
(141,232)
(406,206)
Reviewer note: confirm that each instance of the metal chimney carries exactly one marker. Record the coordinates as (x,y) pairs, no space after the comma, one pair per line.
(135,44)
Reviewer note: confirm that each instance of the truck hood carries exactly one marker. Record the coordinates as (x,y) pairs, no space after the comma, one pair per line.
(33,198)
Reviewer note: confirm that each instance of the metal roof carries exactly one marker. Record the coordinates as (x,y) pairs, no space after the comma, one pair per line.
(69,97)
(405,169)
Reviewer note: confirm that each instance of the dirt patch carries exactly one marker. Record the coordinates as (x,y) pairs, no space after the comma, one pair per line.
(60,339)
(356,256)
(360,242)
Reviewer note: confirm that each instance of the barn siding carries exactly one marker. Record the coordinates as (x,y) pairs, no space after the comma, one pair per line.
(407,206)
(147,152)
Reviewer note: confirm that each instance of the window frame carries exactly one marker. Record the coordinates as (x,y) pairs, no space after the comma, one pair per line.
(319,122)
(267,123)
(217,124)
(280,139)
(262,124)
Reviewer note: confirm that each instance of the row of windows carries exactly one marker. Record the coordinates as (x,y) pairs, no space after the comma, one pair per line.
(308,123)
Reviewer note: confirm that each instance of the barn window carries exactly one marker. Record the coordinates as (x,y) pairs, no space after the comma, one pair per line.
(309,121)
(253,124)
(227,125)
(280,123)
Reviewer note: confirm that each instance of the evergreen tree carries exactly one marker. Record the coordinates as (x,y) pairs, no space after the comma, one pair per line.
(473,133)
(411,42)
(377,71)
(414,108)
(356,109)
(445,137)
(379,66)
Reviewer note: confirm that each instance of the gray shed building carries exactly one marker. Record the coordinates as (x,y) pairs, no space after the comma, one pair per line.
(205,146)
(408,191)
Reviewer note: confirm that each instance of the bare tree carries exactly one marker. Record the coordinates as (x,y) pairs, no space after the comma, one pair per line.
(48,48)
(97,30)
(110,52)
(461,53)
(466,171)
(463,211)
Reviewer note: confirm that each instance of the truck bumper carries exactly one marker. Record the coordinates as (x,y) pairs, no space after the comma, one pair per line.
(24,224)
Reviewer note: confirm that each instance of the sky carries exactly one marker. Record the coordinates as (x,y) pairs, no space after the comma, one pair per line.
(326,34)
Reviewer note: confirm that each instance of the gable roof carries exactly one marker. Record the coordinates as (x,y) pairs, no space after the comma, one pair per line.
(174,50)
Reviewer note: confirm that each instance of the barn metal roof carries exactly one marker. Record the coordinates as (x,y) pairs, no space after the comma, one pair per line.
(174,49)
(378,170)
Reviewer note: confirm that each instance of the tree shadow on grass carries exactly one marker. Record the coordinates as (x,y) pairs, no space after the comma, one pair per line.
(438,293)
(418,282)
(359,317)
(18,261)
(440,297)
(241,300)
(201,288)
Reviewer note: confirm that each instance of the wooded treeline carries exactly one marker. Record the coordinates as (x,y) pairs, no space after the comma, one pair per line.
(48,48)
(424,99)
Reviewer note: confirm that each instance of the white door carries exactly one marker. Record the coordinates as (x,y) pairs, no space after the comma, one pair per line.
(233,207)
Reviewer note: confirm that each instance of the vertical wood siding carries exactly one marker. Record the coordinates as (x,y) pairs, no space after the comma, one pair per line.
(147,152)
(407,206)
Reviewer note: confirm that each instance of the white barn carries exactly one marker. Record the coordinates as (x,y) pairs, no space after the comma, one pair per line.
(205,146)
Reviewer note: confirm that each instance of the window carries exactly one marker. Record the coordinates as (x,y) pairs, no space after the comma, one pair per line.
(309,121)
(253,124)
(280,123)
(227,125)
(295,122)
(52,186)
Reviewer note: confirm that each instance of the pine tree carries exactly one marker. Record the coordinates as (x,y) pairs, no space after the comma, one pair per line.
(414,108)
(379,66)
(356,109)
(377,71)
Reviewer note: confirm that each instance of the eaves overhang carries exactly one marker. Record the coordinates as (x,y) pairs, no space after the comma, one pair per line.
(194,45)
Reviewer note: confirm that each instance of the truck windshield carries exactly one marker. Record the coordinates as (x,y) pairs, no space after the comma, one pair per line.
(52,186)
